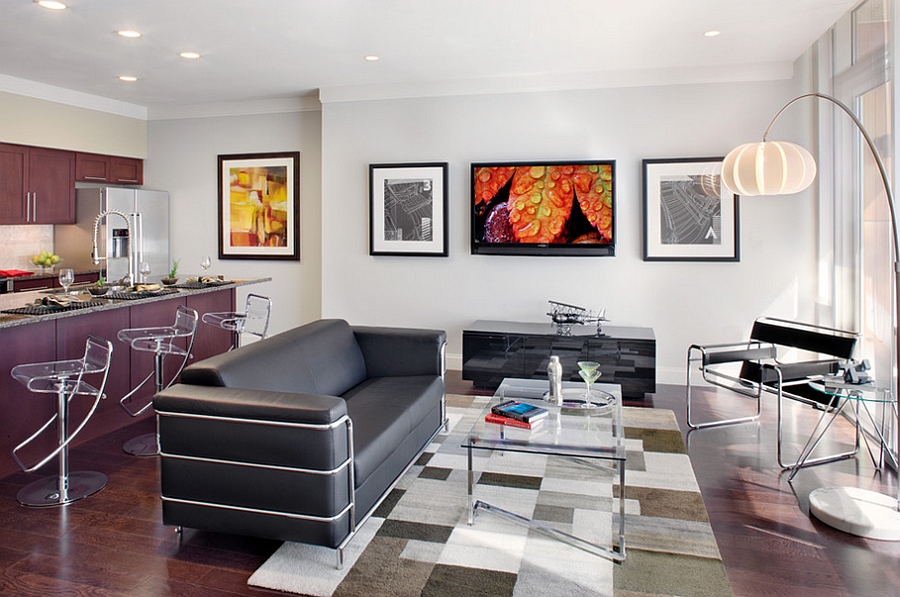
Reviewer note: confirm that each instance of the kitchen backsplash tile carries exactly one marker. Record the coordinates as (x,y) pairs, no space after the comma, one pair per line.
(21,242)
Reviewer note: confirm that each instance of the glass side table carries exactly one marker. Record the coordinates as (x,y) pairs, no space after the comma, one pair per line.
(857,511)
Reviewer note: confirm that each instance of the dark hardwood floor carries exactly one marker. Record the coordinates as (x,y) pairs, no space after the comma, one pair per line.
(113,544)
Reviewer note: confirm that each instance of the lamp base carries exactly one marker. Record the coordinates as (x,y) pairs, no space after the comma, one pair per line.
(857,511)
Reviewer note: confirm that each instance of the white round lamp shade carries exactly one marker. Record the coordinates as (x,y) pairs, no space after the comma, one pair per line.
(768,168)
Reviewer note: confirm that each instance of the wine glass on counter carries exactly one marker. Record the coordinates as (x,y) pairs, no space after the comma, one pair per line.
(205,262)
(145,270)
(66,278)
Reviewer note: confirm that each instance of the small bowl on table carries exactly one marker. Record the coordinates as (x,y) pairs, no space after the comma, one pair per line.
(98,290)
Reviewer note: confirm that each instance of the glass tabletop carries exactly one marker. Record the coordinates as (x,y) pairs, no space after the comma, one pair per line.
(867,392)
(567,431)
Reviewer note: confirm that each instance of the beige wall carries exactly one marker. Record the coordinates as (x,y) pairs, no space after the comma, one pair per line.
(43,123)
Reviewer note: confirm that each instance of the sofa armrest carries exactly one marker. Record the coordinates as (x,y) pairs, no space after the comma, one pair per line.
(392,352)
(238,403)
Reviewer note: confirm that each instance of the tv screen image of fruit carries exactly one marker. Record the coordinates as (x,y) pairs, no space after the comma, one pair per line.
(544,208)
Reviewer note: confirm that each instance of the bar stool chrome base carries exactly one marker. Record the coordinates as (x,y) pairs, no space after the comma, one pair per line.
(45,492)
(142,445)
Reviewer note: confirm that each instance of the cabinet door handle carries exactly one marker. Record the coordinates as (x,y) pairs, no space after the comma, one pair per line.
(34,207)
(134,180)
(94,177)
(28,207)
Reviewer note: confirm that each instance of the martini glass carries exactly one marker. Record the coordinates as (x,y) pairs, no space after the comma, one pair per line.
(589,372)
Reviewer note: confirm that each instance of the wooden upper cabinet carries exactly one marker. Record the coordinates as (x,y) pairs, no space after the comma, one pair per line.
(51,176)
(37,185)
(92,167)
(13,184)
(126,170)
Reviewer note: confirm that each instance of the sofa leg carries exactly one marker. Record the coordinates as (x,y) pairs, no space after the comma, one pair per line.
(339,561)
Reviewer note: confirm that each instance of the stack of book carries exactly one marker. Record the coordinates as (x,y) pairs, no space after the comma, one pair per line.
(517,414)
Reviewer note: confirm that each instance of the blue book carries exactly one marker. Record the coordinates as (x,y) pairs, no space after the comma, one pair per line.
(520,411)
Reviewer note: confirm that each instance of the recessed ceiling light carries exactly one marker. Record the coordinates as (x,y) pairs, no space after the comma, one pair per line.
(127,78)
(52,5)
(189,55)
(712,33)
(129,33)
(372,58)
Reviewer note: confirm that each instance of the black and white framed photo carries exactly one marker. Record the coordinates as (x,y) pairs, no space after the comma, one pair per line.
(408,209)
(689,215)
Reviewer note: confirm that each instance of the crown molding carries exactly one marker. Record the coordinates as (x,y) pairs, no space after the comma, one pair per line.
(308,102)
(68,97)
(563,82)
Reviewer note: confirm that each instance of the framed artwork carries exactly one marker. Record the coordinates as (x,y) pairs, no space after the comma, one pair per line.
(689,215)
(259,206)
(408,209)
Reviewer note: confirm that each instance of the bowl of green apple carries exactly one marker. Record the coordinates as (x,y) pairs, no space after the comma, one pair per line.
(46,260)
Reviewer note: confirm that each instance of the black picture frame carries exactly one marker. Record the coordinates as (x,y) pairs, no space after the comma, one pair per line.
(408,210)
(259,205)
(689,215)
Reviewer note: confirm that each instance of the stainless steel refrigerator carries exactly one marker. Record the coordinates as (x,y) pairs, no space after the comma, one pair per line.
(147,237)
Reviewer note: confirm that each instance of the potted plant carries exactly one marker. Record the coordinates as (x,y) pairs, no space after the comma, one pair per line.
(173,274)
(99,287)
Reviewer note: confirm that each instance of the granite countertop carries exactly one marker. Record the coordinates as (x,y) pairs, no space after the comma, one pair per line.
(99,303)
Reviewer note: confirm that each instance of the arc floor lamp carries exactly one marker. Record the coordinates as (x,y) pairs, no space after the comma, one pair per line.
(780,168)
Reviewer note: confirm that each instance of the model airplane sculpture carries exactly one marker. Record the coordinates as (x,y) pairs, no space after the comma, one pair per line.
(565,316)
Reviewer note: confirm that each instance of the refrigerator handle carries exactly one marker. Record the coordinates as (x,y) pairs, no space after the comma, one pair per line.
(137,246)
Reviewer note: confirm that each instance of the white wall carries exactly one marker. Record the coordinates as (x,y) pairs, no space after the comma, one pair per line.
(683,302)
(183,158)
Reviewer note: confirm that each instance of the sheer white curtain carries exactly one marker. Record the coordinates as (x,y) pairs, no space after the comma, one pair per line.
(855,248)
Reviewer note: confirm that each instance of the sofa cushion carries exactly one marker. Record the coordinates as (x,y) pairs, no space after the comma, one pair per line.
(384,411)
(318,358)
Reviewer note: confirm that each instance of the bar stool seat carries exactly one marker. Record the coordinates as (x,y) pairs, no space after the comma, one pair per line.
(254,319)
(66,380)
(161,342)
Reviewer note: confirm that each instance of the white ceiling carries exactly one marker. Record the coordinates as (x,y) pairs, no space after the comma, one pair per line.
(281,50)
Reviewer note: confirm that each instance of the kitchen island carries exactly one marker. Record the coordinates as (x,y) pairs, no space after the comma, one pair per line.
(52,336)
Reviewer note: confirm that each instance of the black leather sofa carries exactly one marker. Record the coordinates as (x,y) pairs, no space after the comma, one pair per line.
(299,436)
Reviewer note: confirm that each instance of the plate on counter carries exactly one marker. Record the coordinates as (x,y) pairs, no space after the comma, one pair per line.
(130,295)
(47,306)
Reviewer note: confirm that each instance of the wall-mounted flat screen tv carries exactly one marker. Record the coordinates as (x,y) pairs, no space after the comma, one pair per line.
(544,208)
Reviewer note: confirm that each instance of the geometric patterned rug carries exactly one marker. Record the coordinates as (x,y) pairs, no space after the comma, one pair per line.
(418,542)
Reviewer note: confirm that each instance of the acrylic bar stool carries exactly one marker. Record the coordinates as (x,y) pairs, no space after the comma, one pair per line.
(161,342)
(254,319)
(66,380)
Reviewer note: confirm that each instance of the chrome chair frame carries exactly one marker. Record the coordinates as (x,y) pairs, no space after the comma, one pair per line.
(763,371)
(161,342)
(256,308)
(56,377)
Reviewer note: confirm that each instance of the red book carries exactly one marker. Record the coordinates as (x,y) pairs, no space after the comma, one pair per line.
(501,420)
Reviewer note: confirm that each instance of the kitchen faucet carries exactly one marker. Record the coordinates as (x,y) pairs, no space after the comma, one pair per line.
(95,253)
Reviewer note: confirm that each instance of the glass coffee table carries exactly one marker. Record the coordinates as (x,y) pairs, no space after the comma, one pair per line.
(589,434)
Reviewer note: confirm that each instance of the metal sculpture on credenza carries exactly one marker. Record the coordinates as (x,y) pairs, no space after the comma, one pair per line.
(565,316)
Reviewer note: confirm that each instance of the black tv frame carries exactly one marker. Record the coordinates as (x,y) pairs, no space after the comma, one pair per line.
(480,247)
